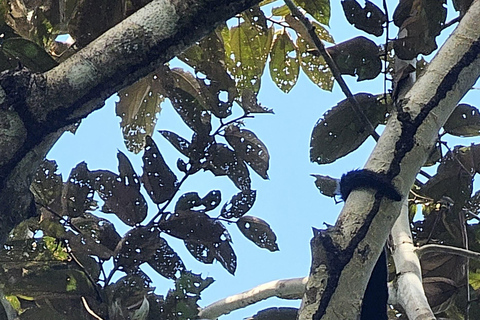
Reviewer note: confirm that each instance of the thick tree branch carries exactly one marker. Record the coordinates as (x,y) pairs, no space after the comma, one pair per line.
(349,250)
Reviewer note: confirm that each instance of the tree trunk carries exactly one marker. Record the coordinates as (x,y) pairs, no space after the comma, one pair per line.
(344,255)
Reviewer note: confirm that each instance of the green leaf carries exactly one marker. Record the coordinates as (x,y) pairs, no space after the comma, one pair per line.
(139,107)
(247,49)
(464,121)
(249,148)
(281,11)
(358,56)
(159,181)
(284,64)
(258,231)
(29,54)
(239,205)
(341,130)
(314,66)
(319,9)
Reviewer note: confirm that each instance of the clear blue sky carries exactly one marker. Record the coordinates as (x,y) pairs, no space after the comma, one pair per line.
(288,201)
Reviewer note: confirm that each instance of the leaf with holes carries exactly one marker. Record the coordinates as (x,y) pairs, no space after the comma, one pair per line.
(319,9)
(223,161)
(284,64)
(250,103)
(159,181)
(239,205)
(77,195)
(203,252)
(47,186)
(226,256)
(249,148)
(314,65)
(212,200)
(178,142)
(369,19)
(258,231)
(332,139)
(139,107)
(188,201)
(121,193)
(193,225)
(145,245)
(464,121)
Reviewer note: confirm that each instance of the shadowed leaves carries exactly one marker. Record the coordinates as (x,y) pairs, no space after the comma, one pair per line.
(258,231)
(239,205)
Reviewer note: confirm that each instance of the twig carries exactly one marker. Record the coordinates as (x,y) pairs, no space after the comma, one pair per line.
(333,67)
(436,248)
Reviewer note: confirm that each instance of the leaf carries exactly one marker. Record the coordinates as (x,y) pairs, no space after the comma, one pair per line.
(464,121)
(159,181)
(178,142)
(258,231)
(139,107)
(369,19)
(212,200)
(247,49)
(284,64)
(358,56)
(239,205)
(226,256)
(188,201)
(250,104)
(249,148)
(29,54)
(122,193)
(332,139)
(208,252)
(78,192)
(281,11)
(423,21)
(303,32)
(319,9)
(193,225)
(326,185)
(47,186)
(144,244)
(314,66)
(223,161)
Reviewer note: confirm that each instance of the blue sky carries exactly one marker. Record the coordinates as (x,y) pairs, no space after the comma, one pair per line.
(288,201)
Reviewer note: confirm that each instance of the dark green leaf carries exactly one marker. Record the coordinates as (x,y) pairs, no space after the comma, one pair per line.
(159,181)
(332,139)
(249,148)
(258,231)
(178,142)
(239,205)
(29,54)
(464,121)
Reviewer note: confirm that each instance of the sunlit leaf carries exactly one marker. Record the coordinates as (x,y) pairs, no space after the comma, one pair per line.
(284,64)
(314,66)
(247,50)
(319,9)
(258,231)
(138,107)
(281,11)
